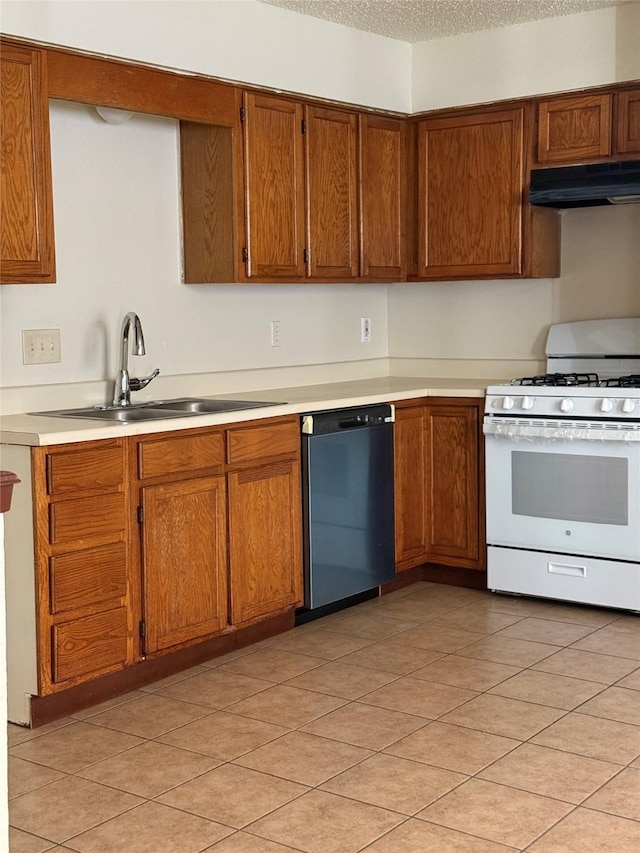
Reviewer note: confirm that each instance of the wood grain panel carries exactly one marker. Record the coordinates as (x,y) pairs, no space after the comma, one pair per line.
(85,578)
(382,149)
(95,644)
(332,201)
(470,195)
(627,139)
(185,453)
(274,187)
(260,442)
(453,477)
(185,561)
(26,202)
(574,128)
(265,548)
(124,85)
(81,521)
(411,472)
(206,161)
(94,466)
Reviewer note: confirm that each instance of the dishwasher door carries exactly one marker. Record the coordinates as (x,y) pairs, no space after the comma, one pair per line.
(349,531)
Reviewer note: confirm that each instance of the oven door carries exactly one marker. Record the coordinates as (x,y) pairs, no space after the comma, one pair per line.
(563,488)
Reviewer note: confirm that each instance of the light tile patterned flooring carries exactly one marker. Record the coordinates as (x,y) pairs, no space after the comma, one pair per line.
(434,719)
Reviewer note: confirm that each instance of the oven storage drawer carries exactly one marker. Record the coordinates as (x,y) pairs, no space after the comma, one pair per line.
(587,580)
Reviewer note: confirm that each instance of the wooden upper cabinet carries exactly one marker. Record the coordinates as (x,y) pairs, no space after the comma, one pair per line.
(332,201)
(26,203)
(382,158)
(274,187)
(470,184)
(627,128)
(575,128)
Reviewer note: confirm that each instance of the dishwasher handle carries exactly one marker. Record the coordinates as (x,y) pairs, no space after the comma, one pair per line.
(339,420)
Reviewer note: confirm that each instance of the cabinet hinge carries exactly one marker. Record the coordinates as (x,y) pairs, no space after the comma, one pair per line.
(140,515)
(306,256)
(304,125)
(245,255)
(143,628)
(242,114)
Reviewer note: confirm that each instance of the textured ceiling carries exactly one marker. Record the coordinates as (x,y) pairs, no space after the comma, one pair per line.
(421,20)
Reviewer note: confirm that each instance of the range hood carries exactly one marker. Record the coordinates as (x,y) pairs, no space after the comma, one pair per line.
(584,186)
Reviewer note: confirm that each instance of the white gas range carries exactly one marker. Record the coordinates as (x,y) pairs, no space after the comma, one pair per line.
(563,470)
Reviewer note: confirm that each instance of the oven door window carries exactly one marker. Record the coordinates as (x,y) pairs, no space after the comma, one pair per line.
(591,489)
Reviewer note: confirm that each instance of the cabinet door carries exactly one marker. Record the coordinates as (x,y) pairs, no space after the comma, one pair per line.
(470,183)
(265,548)
(184,561)
(26,203)
(627,138)
(274,187)
(332,204)
(574,128)
(454,508)
(411,470)
(382,197)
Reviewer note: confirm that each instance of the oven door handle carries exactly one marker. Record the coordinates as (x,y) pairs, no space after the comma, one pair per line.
(523,430)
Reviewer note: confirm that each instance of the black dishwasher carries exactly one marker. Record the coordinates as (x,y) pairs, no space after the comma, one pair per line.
(349,536)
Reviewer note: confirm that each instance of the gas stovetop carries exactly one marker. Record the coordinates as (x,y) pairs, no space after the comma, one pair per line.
(591,380)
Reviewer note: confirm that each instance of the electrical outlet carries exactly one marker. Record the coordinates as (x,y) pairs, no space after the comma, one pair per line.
(41,346)
(365,330)
(275,332)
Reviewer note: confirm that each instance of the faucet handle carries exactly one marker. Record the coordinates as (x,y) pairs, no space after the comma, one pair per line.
(136,384)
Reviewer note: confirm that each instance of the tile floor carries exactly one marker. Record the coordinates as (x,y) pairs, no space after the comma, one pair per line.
(434,719)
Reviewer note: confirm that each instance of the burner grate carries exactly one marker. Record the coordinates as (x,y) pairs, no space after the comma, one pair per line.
(558,379)
(631,381)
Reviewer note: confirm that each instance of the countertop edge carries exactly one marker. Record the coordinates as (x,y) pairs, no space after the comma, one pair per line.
(40,430)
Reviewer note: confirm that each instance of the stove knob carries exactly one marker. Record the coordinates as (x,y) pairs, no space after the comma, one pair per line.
(527,402)
(628,406)
(606,405)
(508,403)
(566,405)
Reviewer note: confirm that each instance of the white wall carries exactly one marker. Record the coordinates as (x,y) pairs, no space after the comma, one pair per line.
(234,39)
(453,328)
(116,200)
(539,57)
(507,321)
(116,210)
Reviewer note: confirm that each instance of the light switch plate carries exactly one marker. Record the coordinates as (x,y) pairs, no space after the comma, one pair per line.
(41,346)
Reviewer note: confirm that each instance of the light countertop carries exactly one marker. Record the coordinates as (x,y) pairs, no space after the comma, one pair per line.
(37,430)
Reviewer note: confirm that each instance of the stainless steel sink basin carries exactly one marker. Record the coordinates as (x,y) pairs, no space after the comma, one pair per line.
(124,414)
(200,406)
(156,410)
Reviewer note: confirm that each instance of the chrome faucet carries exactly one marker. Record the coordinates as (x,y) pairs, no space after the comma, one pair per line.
(125,384)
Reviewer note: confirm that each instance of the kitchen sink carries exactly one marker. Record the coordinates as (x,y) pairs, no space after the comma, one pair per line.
(157,409)
(200,406)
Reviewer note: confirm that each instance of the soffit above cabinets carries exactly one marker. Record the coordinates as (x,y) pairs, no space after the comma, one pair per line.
(421,20)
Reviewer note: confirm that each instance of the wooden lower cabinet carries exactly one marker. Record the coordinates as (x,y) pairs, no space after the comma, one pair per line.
(220,529)
(184,546)
(84,580)
(438,483)
(265,528)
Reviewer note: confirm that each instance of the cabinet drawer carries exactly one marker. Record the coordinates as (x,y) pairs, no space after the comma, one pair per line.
(247,445)
(179,455)
(90,645)
(95,467)
(89,518)
(88,577)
